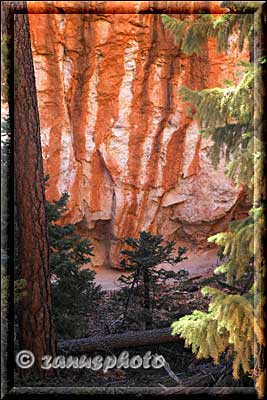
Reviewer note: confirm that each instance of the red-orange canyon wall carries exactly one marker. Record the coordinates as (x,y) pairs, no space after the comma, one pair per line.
(115,134)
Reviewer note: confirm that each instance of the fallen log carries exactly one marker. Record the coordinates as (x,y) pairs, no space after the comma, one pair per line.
(118,341)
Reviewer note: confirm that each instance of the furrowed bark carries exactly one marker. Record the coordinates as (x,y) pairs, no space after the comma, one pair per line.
(35,314)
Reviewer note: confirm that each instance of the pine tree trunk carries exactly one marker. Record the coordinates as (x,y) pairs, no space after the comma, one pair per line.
(35,316)
(147,306)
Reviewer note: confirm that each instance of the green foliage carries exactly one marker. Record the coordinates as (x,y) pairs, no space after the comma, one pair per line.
(7,70)
(19,292)
(238,247)
(74,293)
(5,66)
(145,284)
(229,324)
(229,115)
(216,107)
(226,116)
(149,251)
(192,33)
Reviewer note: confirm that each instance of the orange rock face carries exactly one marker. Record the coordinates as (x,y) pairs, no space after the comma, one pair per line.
(115,134)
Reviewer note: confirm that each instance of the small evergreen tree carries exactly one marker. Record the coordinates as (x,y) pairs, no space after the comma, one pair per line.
(74,293)
(145,284)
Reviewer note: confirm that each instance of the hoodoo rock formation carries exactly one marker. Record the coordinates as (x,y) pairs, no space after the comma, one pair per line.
(115,134)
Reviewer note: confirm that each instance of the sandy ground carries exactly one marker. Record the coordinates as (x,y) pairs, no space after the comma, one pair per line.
(199,263)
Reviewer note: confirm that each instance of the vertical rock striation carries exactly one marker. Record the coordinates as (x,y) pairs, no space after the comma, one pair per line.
(116,135)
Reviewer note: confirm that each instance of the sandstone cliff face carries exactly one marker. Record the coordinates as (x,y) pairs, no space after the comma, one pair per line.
(116,135)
